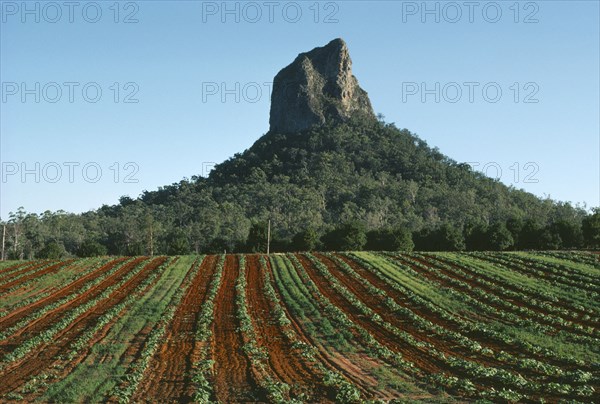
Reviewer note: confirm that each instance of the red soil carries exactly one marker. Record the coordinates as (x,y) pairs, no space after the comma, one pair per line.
(48,319)
(330,358)
(566,277)
(15,316)
(61,366)
(21,264)
(34,274)
(497,345)
(38,360)
(385,337)
(377,304)
(168,378)
(48,287)
(233,379)
(284,361)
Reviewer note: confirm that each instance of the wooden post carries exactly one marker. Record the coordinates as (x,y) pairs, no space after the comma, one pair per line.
(268,237)
(151,243)
(16,231)
(3,240)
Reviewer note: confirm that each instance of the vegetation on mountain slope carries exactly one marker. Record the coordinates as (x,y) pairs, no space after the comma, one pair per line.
(344,181)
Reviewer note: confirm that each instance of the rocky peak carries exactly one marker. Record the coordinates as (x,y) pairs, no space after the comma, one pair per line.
(317,88)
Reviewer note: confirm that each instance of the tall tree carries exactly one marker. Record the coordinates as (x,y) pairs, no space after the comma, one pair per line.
(591,229)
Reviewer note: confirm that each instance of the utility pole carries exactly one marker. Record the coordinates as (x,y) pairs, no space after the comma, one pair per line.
(149,221)
(151,242)
(268,236)
(3,240)
(16,231)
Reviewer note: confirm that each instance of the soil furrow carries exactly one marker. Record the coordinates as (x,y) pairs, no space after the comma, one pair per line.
(168,378)
(515,268)
(377,304)
(40,324)
(43,356)
(62,365)
(490,291)
(233,380)
(35,274)
(385,337)
(381,335)
(284,360)
(329,357)
(496,344)
(19,267)
(15,316)
(570,277)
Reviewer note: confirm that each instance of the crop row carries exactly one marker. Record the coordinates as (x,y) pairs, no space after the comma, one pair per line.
(556,274)
(362,322)
(581,257)
(542,300)
(35,270)
(38,381)
(426,326)
(569,377)
(10,265)
(76,275)
(20,267)
(107,317)
(534,289)
(88,268)
(558,267)
(129,383)
(380,350)
(502,308)
(296,296)
(65,300)
(276,390)
(462,366)
(482,301)
(66,320)
(204,365)
(458,264)
(498,296)
(546,300)
(344,390)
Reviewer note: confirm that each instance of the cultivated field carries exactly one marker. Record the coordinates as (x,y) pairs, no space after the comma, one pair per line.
(321,327)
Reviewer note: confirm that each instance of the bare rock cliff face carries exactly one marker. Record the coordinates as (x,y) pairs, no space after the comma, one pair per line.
(317,88)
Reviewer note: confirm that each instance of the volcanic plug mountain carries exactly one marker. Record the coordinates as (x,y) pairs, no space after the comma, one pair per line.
(317,87)
(327,160)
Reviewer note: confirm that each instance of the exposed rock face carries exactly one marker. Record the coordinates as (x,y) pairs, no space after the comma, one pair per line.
(317,88)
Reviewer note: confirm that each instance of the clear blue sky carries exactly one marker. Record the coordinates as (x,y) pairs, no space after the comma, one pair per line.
(176,51)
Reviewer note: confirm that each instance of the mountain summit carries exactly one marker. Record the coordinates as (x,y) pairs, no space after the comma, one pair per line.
(317,88)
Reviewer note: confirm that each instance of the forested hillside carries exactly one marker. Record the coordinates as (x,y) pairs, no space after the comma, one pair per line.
(356,185)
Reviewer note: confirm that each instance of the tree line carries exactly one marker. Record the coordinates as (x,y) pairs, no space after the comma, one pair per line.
(60,234)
